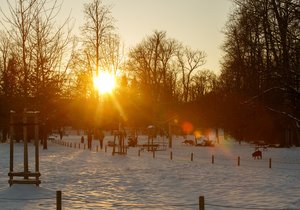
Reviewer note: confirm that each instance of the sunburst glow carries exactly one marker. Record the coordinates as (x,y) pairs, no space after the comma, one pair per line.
(104,82)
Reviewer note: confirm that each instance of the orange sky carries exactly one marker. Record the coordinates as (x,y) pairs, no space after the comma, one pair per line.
(196,23)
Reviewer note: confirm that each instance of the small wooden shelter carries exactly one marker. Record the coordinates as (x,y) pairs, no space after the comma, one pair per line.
(119,146)
(28,176)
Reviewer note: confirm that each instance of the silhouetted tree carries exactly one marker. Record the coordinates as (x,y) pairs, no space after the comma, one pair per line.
(9,79)
(261,62)
(96,30)
(189,61)
(20,18)
(112,54)
(153,64)
(151,61)
(203,83)
(49,64)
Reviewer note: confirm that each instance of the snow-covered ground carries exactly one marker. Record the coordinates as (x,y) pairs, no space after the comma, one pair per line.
(98,180)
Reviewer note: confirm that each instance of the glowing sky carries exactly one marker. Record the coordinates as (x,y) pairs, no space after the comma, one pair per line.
(195,23)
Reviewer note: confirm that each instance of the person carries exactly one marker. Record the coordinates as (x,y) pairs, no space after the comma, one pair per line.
(44,135)
(61,133)
(101,138)
(90,138)
(82,140)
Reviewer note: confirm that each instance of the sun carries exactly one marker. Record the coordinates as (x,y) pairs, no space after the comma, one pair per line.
(105,82)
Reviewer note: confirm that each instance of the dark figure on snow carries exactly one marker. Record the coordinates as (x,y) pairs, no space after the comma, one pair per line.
(257,154)
(90,138)
(101,138)
(61,133)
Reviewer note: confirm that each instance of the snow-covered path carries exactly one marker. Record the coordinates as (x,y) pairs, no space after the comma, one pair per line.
(98,180)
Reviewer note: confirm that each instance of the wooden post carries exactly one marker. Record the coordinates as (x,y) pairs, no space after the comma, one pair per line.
(192,156)
(270,163)
(217,134)
(239,160)
(36,133)
(153,153)
(44,136)
(170,135)
(97,148)
(201,203)
(114,145)
(123,144)
(11,154)
(171,155)
(139,153)
(152,143)
(58,200)
(25,144)
(212,159)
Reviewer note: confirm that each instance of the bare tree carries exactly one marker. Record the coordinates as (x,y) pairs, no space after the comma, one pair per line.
(48,45)
(30,24)
(20,19)
(97,28)
(202,83)
(9,79)
(261,61)
(152,61)
(152,65)
(5,50)
(6,82)
(80,80)
(112,53)
(189,61)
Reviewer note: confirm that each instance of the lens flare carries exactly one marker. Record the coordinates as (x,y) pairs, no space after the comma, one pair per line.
(187,127)
(197,134)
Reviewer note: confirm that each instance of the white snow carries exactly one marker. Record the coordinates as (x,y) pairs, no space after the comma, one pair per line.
(98,180)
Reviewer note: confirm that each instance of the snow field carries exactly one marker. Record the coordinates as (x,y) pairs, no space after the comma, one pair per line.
(98,180)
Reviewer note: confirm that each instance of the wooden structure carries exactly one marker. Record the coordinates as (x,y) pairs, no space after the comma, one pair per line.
(153,144)
(28,176)
(119,146)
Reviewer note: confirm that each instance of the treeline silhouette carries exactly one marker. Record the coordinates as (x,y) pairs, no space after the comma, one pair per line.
(261,70)
(255,98)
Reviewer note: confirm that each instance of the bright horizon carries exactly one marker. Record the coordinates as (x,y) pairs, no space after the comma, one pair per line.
(195,23)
